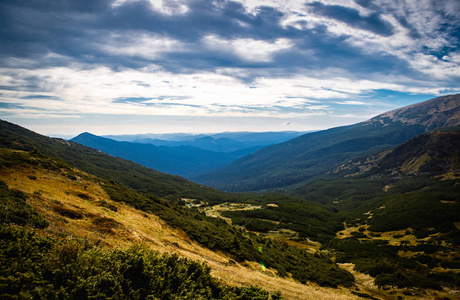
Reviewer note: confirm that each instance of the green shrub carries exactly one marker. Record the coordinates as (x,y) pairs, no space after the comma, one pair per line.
(44,268)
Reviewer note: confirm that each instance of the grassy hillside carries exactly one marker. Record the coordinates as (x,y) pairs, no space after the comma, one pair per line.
(34,265)
(305,158)
(42,175)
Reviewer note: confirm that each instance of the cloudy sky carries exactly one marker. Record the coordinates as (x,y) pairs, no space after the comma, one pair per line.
(155,66)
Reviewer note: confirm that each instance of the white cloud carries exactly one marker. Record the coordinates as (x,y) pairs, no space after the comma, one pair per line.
(248,49)
(96,90)
(351,102)
(167,7)
(146,46)
(452,57)
(445,68)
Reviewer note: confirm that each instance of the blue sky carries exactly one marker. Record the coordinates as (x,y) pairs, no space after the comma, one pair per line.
(156,66)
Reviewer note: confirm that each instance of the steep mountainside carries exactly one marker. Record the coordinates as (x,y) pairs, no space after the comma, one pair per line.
(180,160)
(436,152)
(431,153)
(313,154)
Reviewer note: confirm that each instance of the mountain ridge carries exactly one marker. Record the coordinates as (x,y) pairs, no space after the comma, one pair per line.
(301,159)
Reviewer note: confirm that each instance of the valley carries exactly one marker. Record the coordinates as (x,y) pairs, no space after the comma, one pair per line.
(380,222)
(77,207)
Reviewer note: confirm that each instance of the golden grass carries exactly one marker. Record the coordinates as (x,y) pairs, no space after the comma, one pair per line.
(415,163)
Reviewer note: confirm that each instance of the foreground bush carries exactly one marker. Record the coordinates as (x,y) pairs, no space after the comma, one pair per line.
(33,267)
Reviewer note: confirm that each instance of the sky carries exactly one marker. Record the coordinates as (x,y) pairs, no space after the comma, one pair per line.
(202,66)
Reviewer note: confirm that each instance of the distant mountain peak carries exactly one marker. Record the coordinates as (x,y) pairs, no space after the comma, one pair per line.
(85,134)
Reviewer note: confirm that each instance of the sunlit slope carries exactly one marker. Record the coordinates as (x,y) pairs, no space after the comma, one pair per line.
(313,154)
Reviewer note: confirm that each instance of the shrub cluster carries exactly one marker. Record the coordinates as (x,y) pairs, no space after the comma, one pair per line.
(382,261)
(33,267)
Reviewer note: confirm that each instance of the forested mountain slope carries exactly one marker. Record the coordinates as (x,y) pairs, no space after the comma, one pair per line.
(313,154)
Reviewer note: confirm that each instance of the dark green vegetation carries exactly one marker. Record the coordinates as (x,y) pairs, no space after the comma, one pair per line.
(382,261)
(33,267)
(307,157)
(413,202)
(180,160)
(307,219)
(213,233)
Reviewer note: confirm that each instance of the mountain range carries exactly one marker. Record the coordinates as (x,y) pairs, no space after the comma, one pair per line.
(303,159)
(219,142)
(370,210)
(182,160)
(184,155)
